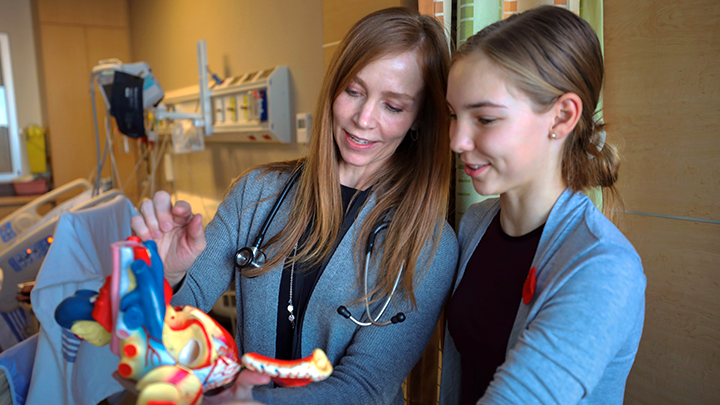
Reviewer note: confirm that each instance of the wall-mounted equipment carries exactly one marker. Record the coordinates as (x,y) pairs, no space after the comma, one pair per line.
(130,92)
(127,100)
(251,107)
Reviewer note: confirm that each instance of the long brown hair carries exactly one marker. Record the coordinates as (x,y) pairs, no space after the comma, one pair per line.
(549,51)
(412,188)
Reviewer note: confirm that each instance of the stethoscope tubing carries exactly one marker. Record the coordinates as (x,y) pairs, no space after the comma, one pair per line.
(253,256)
(261,235)
(374,321)
(256,258)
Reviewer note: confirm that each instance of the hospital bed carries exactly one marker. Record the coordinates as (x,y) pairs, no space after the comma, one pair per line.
(12,226)
(55,363)
(23,253)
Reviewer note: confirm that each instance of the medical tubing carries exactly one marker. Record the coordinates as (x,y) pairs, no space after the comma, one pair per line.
(156,159)
(193,188)
(161,151)
(387,302)
(153,167)
(374,321)
(371,237)
(137,165)
(96,188)
(153,159)
(100,162)
(368,252)
(109,142)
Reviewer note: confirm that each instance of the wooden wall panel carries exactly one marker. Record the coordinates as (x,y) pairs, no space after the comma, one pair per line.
(101,13)
(679,357)
(105,43)
(67,83)
(663,102)
(75,35)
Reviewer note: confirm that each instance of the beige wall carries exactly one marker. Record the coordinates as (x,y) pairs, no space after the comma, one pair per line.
(16,20)
(340,15)
(662,99)
(242,36)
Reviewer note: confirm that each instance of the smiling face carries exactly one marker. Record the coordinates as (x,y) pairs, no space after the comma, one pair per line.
(504,144)
(373,114)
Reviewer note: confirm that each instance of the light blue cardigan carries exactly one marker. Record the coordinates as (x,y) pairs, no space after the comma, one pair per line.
(370,362)
(576,341)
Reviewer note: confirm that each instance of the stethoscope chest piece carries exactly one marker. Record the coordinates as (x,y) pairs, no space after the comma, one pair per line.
(249,257)
(253,256)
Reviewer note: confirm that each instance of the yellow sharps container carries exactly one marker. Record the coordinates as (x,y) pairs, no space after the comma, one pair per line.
(36,149)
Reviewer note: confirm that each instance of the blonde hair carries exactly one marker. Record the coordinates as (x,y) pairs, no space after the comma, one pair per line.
(412,188)
(549,51)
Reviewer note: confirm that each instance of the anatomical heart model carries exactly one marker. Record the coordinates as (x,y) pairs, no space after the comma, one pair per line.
(175,354)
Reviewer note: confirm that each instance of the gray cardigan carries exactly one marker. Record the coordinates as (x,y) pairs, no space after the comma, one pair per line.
(370,362)
(576,340)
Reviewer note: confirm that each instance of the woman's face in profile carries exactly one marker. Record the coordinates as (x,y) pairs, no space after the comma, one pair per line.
(374,112)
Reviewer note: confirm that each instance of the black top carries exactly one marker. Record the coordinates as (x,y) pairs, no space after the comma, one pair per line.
(304,280)
(482,311)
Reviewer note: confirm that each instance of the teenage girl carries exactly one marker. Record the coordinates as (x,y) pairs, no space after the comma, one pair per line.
(549,302)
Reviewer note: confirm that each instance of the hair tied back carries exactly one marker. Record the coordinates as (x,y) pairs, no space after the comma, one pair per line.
(598,137)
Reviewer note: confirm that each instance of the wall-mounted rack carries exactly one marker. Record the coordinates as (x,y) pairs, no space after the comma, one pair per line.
(252,107)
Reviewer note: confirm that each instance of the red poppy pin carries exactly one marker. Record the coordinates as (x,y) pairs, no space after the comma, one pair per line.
(529,287)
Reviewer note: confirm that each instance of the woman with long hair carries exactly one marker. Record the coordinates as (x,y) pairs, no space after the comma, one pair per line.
(549,302)
(379,154)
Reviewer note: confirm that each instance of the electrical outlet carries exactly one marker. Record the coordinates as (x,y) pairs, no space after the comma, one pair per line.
(303,124)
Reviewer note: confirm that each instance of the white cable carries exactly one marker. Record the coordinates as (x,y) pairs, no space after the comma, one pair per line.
(161,151)
(153,159)
(153,168)
(114,172)
(91,175)
(96,186)
(137,165)
(100,162)
(192,187)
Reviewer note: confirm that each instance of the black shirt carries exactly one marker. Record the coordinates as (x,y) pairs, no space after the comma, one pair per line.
(288,337)
(482,311)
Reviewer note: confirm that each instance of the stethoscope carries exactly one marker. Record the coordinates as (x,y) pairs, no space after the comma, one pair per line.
(251,257)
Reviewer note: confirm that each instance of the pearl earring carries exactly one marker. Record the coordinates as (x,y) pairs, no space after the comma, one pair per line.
(552,136)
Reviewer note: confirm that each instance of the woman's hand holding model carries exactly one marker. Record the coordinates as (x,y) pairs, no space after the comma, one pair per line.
(241,392)
(178,232)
